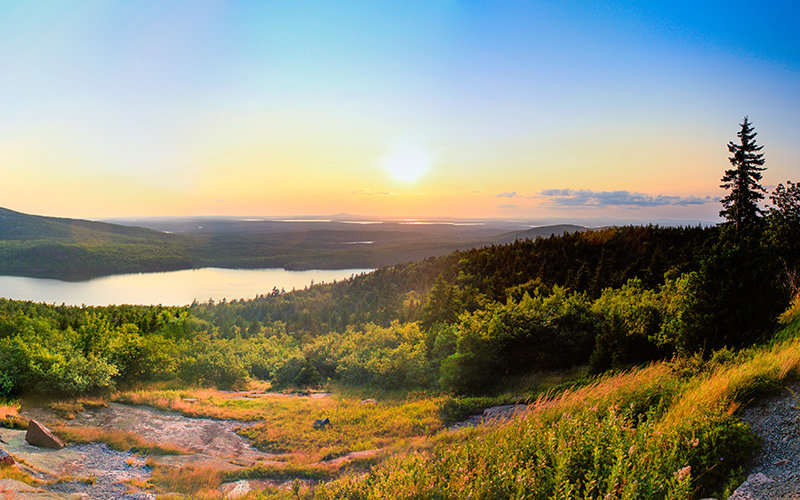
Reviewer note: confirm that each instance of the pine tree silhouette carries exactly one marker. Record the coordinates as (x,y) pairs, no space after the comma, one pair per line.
(740,206)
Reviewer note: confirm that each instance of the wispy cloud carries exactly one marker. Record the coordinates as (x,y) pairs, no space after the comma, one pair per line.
(578,198)
(366,192)
(511,194)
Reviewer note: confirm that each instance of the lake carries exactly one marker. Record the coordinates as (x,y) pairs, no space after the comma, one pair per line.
(174,288)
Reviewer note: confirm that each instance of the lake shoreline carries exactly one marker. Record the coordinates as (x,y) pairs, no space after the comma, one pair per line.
(171,288)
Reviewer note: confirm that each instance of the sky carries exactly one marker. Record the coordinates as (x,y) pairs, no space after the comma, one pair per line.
(510,109)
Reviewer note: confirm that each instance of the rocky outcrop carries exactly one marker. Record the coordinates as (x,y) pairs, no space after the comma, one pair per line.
(5,458)
(39,435)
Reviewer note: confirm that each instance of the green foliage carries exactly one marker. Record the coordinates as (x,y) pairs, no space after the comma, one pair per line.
(42,360)
(735,298)
(213,362)
(392,357)
(537,333)
(630,320)
(783,229)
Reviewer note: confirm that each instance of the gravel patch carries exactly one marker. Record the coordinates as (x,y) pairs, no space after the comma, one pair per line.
(212,437)
(110,468)
(774,474)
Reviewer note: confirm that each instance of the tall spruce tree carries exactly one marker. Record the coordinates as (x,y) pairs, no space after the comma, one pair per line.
(740,206)
(735,298)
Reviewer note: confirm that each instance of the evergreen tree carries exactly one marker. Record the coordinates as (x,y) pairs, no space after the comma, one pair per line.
(736,296)
(740,206)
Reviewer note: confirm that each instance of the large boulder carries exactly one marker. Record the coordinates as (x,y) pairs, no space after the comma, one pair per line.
(5,458)
(39,435)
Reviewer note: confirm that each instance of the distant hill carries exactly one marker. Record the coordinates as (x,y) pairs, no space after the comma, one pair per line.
(537,232)
(24,227)
(74,249)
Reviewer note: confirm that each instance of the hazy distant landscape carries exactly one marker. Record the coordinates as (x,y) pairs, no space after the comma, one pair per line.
(71,249)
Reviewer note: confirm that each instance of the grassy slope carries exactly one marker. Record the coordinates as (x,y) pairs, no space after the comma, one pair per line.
(665,431)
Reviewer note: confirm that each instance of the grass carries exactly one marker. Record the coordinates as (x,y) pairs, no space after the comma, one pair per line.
(197,481)
(69,409)
(118,440)
(284,423)
(8,415)
(18,475)
(653,432)
(8,408)
(601,440)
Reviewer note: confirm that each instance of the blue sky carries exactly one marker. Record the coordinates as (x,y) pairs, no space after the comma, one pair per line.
(269,108)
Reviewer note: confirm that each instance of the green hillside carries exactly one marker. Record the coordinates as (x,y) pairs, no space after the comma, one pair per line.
(53,247)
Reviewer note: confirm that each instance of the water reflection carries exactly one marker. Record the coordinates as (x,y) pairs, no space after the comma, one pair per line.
(169,288)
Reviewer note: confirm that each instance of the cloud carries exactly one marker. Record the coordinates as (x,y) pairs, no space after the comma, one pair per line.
(572,198)
(512,194)
(373,193)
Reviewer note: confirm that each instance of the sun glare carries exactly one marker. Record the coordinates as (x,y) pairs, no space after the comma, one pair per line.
(407,163)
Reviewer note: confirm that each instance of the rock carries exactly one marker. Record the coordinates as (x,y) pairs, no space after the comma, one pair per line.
(39,435)
(5,458)
(502,413)
(235,490)
(321,424)
(751,489)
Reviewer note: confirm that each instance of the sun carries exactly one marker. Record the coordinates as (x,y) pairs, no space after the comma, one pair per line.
(406,163)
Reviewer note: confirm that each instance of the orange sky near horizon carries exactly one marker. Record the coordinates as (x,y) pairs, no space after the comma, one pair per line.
(435,109)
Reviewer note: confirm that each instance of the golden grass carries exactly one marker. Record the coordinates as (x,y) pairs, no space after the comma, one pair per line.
(621,388)
(8,415)
(92,403)
(118,440)
(284,423)
(198,481)
(69,409)
(8,408)
(729,386)
(18,475)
